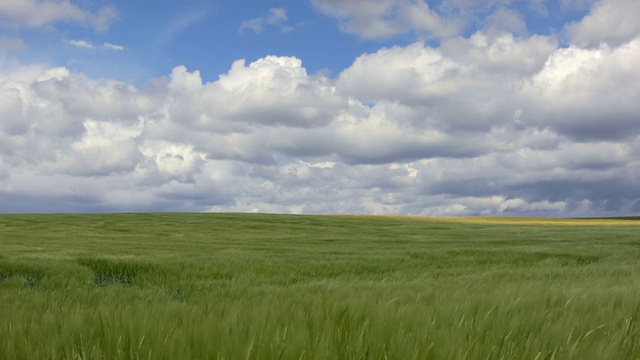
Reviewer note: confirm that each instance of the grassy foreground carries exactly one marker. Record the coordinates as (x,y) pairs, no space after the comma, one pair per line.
(240,286)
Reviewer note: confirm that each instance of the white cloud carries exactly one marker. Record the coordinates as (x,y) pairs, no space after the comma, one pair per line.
(492,124)
(105,148)
(465,85)
(270,91)
(506,20)
(611,22)
(81,44)
(175,161)
(39,13)
(274,17)
(114,47)
(587,93)
(89,45)
(386,18)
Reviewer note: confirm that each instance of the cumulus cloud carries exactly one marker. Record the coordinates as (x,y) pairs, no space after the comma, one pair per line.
(468,84)
(489,124)
(386,18)
(610,22)
(39,13)
(587,93)
(270,91)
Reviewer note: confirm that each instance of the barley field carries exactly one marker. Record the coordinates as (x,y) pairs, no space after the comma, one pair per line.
(257,286)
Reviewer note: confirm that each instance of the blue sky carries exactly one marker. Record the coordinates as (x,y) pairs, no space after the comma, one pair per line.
(438,108)
(203,35)
(209,36)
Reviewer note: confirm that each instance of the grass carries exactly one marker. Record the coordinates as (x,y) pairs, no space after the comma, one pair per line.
(241,286)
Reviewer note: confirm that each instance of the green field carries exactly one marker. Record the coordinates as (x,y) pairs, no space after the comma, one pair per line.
(241,286)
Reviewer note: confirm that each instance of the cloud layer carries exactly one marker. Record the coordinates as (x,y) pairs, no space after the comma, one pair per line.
(492,124)
(274,17)
(39,13)
(386,18)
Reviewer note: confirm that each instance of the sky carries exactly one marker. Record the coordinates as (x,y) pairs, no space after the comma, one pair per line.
(397,107)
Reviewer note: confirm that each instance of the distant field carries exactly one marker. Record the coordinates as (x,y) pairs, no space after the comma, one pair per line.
(250,286)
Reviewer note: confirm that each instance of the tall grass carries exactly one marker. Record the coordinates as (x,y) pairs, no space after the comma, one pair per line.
(239,286)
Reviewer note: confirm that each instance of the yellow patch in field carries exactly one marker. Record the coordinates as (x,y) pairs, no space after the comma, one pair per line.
(515,220)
